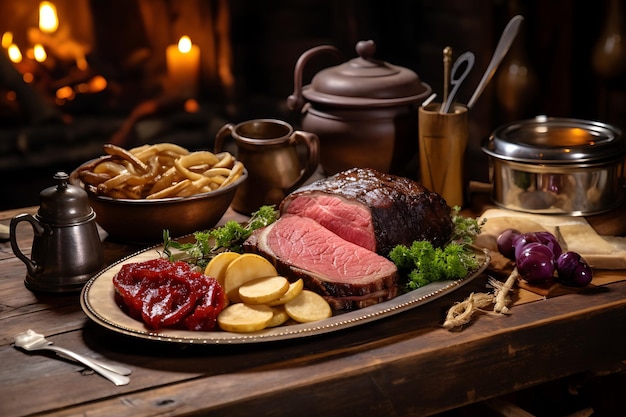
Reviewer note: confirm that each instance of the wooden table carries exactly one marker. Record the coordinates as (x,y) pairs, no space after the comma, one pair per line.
(406,364)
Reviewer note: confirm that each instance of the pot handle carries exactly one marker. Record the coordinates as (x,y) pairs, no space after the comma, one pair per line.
(296,100)
(312,144)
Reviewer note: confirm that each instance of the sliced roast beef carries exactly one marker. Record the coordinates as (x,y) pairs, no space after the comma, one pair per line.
(374,210)
(347,275)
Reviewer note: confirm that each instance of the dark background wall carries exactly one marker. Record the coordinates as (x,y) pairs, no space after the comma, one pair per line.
(558,75)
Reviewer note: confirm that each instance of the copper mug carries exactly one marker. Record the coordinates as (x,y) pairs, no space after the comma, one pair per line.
(270,150)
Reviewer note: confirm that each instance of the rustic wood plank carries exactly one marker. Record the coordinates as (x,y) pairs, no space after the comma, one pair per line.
(350,366)
(386,367)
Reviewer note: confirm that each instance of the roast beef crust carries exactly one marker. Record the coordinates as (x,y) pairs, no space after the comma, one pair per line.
(402,210)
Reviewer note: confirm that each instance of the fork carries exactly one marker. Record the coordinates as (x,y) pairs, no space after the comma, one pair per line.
(33,341)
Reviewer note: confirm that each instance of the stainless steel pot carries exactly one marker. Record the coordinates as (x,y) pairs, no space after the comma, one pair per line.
(363,111)
(557,166)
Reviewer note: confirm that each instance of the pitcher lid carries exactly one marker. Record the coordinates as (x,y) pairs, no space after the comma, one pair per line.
(64,203)
(367,82)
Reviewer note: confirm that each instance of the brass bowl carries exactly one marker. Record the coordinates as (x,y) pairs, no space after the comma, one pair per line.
(143,221)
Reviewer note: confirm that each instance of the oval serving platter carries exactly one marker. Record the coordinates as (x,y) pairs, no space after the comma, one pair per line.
(98,302)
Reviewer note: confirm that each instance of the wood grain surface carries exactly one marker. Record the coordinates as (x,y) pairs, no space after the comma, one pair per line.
(404,365)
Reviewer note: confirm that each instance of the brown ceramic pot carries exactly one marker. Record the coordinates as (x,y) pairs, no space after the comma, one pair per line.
(363,111)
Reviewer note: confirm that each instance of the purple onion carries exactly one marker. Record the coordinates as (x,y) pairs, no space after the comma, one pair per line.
(535,262)
(523,240)
(573,269)
(506,242)
(550,241)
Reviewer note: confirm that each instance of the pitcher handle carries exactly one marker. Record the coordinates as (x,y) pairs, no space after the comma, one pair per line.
(221,134)
(312,145)
(38,230)
(296,100)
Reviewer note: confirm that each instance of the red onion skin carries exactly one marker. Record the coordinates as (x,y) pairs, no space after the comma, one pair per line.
(522,240)
(535,263)
(550,241)
(573,270)
(506,242)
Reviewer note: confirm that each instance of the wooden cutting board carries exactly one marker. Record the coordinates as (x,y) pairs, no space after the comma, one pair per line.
(602,252)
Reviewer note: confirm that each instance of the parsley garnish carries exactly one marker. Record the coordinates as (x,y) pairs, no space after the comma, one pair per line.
(422,263)
(229,237)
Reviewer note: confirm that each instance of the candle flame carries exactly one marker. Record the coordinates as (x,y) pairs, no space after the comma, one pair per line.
(48,21)
(65,93)
(39,53)
(15,55)
(7,39)
(184,44)
(97,84)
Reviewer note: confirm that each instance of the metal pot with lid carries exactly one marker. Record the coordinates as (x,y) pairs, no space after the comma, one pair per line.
(364,111)
(557,166)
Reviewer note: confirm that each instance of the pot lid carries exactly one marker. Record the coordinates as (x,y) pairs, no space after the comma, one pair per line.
(64,203)
(365,81)
(555,140)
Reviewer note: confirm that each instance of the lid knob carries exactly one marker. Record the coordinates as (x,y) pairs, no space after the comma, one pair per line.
(64,203)
(366,49)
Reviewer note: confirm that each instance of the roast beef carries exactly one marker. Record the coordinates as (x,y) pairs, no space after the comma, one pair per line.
(347,275)
(374,210)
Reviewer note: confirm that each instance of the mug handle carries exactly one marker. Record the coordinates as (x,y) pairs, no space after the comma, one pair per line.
(312,145)
(221,134)
(38,229)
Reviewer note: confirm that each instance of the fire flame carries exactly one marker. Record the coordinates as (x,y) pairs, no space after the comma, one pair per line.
(184,44)
(15,55)
(48,21)
(39,53)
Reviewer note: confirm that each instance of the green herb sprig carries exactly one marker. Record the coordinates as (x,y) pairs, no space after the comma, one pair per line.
(423,263)
(229,237)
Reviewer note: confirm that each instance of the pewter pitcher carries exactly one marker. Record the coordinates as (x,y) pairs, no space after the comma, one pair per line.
(66,249)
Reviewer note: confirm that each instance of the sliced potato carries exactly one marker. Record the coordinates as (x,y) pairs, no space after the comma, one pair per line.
(263,290)
(244,318)
(280,316)
(216,267)
(245,268)
(308,306)
(294,289)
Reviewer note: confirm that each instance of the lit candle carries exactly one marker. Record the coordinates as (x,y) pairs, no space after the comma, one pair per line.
(48,20)
(7,39)
(39,53)
(15,55)
(183,65)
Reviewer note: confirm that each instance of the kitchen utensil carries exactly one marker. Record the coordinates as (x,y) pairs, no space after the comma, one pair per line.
(429,99)
(66,249)
(465,61)
(33,341)
(447,60)
(268,148)
(557,166)
(363,111)
(506,39)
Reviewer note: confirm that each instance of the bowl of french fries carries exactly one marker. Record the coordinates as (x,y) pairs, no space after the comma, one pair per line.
(139,192)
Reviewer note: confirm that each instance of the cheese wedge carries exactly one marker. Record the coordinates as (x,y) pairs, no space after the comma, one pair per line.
(602,252)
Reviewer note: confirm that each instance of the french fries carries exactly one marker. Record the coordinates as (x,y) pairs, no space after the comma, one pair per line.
(162,170)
